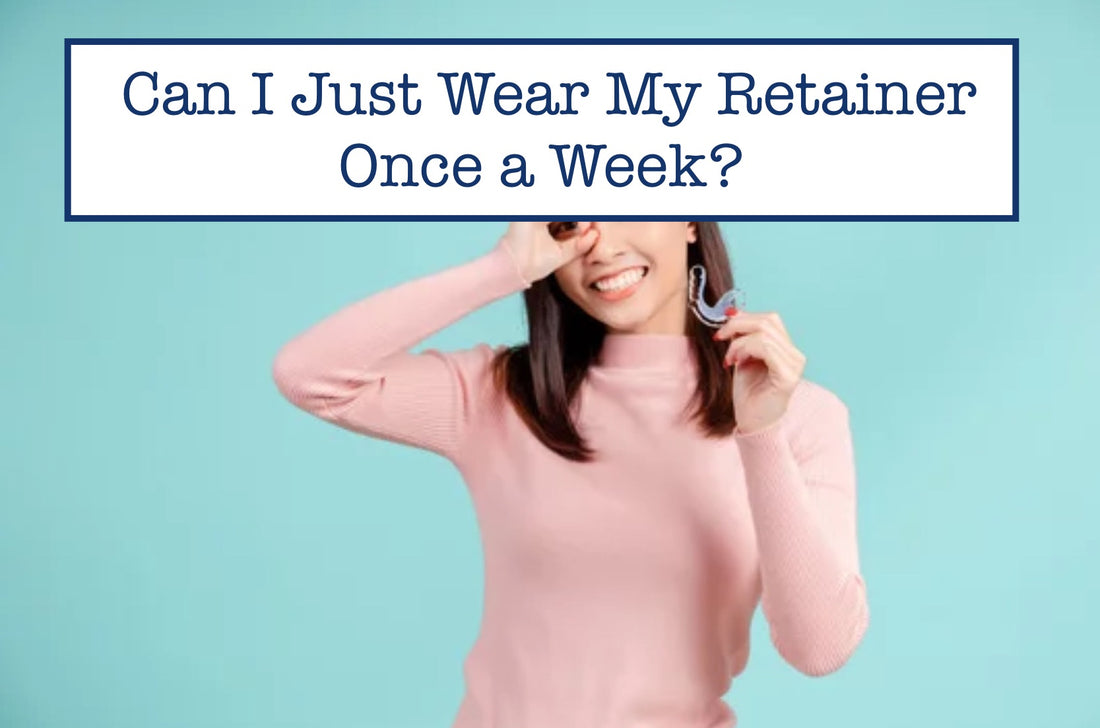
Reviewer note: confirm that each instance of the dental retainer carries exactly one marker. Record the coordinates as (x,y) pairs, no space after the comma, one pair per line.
(713,316)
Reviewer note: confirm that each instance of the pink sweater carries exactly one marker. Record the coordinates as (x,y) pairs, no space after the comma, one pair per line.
(618,593)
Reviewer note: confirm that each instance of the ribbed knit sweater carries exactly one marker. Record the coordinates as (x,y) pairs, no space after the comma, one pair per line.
(618,593)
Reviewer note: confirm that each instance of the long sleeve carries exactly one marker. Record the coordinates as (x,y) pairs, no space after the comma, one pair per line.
(354,368)
(801,484)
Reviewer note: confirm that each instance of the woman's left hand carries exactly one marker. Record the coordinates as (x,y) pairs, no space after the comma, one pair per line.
(767,367)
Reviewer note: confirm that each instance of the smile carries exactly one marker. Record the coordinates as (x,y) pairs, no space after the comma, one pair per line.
(620,281)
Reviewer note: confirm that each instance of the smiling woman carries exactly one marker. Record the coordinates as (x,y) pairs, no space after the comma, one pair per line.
(613,272)
(636,499)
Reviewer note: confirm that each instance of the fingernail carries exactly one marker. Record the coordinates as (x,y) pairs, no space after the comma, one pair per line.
(732,311)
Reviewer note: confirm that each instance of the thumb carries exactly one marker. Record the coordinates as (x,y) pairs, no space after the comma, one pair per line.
(581,242)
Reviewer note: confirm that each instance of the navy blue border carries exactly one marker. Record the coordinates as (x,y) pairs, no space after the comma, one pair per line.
(1014,42)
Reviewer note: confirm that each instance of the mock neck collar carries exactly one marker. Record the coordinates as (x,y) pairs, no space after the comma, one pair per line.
(670,352)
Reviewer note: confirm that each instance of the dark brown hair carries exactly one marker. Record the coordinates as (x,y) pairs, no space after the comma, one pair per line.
(543,376)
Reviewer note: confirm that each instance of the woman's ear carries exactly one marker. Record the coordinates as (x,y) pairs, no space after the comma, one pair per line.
(693,232)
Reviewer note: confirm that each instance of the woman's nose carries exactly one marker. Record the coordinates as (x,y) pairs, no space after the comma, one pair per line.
(604,248)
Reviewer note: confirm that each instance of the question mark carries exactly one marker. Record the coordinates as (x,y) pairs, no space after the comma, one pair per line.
(718,158)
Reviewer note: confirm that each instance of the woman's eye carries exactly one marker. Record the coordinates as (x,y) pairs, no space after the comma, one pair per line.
(562,230)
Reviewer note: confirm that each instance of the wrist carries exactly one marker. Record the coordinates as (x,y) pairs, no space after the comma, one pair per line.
(750,429)
(516,264)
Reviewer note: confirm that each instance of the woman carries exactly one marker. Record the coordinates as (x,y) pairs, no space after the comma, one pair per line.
(641,482)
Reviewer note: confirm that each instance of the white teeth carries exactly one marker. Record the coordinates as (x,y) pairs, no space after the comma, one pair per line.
(624,279)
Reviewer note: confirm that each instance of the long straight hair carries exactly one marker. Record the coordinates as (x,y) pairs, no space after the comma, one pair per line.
(542,377)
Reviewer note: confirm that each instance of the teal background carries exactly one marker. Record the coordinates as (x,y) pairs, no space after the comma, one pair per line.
(181,547)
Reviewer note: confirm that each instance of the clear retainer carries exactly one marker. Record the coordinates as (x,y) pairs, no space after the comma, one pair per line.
(711,315)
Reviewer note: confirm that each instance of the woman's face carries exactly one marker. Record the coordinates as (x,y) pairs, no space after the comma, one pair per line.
(634,278)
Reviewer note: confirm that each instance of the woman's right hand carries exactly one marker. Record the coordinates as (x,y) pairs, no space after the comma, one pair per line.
(538,254)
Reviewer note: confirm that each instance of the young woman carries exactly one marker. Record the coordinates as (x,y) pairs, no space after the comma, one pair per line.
(641,481)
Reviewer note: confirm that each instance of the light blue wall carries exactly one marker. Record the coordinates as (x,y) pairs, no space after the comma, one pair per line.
(180,547)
